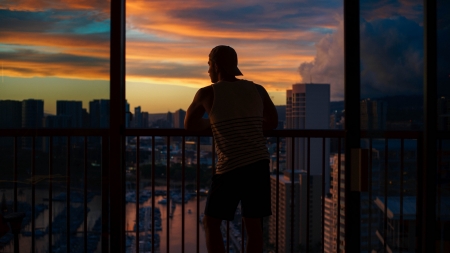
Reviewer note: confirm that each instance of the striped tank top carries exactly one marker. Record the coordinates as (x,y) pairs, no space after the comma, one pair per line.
(236,120)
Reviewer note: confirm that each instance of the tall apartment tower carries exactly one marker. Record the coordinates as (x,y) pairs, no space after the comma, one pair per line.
(178,118)
(99,113)
(296,221)
(10,114)
(10,117)
(314,214)
(73,110)
(308,107)
(331,227)
(373,114)
(287,220)
(443,107)
(137,120)
(32,113)
(335,219)
(32,117)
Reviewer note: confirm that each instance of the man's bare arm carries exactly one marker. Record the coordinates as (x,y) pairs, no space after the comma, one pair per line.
(194,120)
(270,115)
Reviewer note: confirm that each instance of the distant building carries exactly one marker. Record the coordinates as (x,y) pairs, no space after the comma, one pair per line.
(137,120)
(169,120)
(286,218)
(85,116)
(330,228)
(32,117)
(10,114)
(308,107)
(58,121)
(443,105)
(373,114)
(73,110)
(145,118)
(127,115)
(178,118)
(297,219)
(281,110)
(10,117)
(400,232)
(32,113)
(314,214)
(99,113)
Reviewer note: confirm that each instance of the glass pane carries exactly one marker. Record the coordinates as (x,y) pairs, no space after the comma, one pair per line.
(285,46)
(391,99)
(391,65)
(55,65)
(55,74)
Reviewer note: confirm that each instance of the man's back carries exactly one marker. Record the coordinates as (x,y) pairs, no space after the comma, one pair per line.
(236,119)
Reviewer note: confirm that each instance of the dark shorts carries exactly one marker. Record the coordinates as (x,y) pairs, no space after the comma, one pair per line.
(249,184)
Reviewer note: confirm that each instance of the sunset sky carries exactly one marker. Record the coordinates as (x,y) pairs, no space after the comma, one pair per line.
(59,50)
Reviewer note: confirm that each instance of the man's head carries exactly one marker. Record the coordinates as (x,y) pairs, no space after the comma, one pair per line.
(223,60)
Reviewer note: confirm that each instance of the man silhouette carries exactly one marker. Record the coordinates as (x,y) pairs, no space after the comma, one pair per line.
(238,112)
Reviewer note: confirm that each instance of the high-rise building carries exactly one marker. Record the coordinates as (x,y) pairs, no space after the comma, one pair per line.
(308,107)
(127,115)
(178,118)
(373,114)
(281,111)
(85,114)
(335,219)
(297,220)
(10,117)
(443,107)
(32,113)
(137,119)
(287,220)
(73,110)
(32,117)
(145,118)
(99,113)
(10,114)
(169,119)
(331,227)
(314,214)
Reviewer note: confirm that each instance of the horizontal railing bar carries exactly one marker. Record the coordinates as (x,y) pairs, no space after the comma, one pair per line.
(312,133)
(54,132)
(391,134)
(272,133)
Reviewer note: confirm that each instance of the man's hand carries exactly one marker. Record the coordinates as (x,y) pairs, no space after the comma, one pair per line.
(194,120)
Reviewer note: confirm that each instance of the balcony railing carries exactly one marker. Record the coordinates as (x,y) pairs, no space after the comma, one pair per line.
(283,241)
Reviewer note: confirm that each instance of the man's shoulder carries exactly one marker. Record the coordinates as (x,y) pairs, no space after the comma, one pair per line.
(205,91)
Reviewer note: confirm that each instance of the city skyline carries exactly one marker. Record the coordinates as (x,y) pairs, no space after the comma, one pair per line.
(278,44)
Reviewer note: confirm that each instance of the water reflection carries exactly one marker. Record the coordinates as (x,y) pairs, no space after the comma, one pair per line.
(175,224)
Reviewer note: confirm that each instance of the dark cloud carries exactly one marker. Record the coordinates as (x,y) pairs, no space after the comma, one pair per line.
(33,56)
(328,65)
(165,70)
(54,21)
(376,9)
(443,50)
(391,59)
(279,16)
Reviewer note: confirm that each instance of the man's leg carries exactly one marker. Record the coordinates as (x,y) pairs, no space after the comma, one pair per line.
(214,241)
(254,235)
